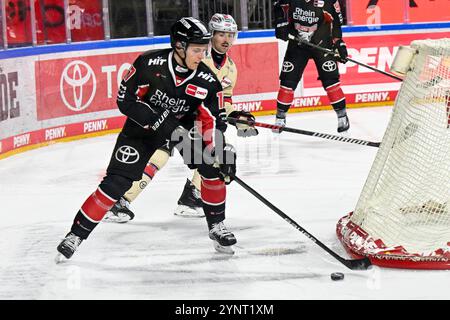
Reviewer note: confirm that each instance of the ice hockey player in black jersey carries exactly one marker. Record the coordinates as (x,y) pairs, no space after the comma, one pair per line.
(318,22)
(162,95)
(224,31)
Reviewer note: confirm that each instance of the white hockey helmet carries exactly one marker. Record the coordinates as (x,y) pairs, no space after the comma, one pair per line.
(223,23)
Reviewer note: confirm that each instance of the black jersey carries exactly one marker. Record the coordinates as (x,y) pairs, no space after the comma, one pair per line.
(151,83)
(312,17)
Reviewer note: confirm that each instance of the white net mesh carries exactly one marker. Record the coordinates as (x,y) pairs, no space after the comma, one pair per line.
(406,198)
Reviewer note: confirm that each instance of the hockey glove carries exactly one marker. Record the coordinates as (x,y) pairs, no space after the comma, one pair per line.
(243,130)
(341,49)
(281,14)
(303,36)
(223,114)
(225,162)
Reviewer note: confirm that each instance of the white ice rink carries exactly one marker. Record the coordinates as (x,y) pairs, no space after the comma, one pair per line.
(161,256)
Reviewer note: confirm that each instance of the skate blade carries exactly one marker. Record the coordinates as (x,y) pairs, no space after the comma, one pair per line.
(59,258)
(223,249)
(117,219)
(345,134)
(188,212)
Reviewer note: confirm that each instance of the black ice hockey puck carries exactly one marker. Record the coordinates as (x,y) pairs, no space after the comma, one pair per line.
(337,276)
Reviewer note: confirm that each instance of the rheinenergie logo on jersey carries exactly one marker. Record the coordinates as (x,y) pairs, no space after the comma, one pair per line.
(161,99)
(305,15)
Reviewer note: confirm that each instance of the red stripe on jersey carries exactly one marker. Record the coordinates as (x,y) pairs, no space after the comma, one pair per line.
(213,192)
(208,125)
(285,95)
(335,93)
(96,205)
(151,170)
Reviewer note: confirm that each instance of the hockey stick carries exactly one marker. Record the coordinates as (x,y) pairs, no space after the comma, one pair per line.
(357,264)
(305,132)
(328,51)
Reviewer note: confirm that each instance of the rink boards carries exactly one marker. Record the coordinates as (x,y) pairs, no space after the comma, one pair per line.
(65,92)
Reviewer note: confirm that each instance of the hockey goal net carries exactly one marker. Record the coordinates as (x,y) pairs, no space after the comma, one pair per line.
(402,218)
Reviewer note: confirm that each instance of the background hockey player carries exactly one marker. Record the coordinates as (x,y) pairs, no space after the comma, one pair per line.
(162,90)
(318,22)
(224,30)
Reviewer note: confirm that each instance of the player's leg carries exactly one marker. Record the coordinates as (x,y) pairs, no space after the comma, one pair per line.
(213,194)
(212,190)
(121,212)
(190,203)
(127,163)
(329,75)
(295,61)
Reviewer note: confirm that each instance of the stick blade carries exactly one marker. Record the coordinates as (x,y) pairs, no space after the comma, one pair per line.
(358,264)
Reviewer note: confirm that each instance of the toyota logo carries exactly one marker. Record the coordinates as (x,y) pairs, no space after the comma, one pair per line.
(329,66)
(287,66)
(77,85)
(127,155)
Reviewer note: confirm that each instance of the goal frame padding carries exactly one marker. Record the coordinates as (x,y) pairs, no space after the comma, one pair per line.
(358,243)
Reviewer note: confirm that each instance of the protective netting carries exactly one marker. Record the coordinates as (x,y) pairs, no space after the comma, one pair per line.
(406,199)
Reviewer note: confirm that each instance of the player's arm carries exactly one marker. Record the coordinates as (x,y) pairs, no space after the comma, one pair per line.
(243,130)
(131,100)
(281,14)
(338,43)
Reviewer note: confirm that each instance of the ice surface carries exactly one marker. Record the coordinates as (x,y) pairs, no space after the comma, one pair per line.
(161,256)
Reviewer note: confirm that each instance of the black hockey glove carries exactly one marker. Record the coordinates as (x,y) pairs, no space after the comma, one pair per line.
(223,114)
(225,162)
(341,49)
(243,130)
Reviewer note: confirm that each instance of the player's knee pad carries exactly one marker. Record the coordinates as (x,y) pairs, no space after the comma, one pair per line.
(115,185)
(207,171)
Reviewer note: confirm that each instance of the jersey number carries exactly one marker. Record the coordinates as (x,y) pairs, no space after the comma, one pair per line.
(220,100)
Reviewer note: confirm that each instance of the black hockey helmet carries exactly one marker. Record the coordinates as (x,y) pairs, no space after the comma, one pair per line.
(189,30)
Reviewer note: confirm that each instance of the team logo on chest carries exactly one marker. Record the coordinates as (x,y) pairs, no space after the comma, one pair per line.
(197,92)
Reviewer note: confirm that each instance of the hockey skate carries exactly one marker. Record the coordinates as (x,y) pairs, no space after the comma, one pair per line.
(190,204)
(120,212)
(279,121)
(343,126)
(222,238)
(67,247)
